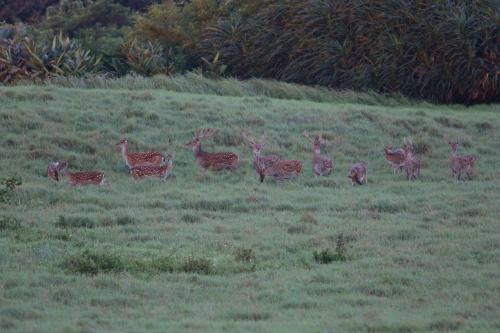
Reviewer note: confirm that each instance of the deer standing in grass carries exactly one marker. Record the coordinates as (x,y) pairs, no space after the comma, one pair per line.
(357,174)
(83,177)
(322,165)
(460,163)
(211,161)
(280,170)
(411,164)
(53,170)
(146,171)
(150,158)
(396,157)
(259,162)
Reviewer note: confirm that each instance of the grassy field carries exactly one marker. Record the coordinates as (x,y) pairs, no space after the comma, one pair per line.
(212,252)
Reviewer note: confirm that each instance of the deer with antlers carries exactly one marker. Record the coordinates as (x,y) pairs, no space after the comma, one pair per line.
(150,158)
(357,174)
(53,170)
(322,165)
(460,163)
(259,162)
(146,171)
(83,177)
(211,161)
(396,157)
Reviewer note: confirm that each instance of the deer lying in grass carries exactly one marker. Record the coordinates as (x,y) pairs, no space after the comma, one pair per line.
(411,164)
(53,170)
(322,165)
(396,157)
(211,161)
(357,174)
(146,171)
(259,162)
(150,158)
(460,163)
(82,177)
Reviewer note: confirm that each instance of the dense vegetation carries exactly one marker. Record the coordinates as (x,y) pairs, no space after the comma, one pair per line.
(446,51)
(222,252)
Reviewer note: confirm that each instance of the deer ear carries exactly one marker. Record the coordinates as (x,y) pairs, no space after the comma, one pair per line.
(263,138)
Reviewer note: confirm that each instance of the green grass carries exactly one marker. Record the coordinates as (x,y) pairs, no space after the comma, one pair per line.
(222,252)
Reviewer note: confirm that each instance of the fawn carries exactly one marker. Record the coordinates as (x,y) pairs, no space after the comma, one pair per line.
(83,177)
(357,174)
(150,158)
(147,171)
(396,157)
(460,163)
(411,164)
(322,165)
(259,162)
(211,161)
(54,169)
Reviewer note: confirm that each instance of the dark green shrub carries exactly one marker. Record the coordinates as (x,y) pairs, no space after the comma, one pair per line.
(191,218)
(75,222)
(192,264)
(9,185)
(9,223)
(92,262)
(327,256)
(244,255)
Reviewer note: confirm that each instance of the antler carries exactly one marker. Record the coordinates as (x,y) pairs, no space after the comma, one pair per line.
(205,133)
(247,137)
(307,136)
(263,138)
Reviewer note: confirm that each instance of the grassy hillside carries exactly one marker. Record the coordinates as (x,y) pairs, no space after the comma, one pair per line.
(223,252)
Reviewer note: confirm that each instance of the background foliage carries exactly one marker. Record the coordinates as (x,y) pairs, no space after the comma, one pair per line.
(446,51)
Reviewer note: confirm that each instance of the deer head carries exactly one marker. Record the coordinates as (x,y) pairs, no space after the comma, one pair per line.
(452,144)
(257,145)
(199,135)
(317,142)
(408,144)
(122,143)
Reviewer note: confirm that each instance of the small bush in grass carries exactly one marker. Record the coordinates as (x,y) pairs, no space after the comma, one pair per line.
(124,220)
(9,223)
(9,185)
(327,256)
(164,264)
(190,218)
(92,262)
(75,222)
(192,264)
(244,255)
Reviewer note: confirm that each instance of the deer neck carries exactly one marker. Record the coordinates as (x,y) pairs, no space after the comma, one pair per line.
(125,150)
(256,156)
(197,150)
(316,152)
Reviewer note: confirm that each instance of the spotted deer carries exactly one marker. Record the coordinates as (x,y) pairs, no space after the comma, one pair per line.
(460,163)
(281,170)
(211,161)
(322,165)
(150,158)
(146,171)
(54,169)
(357,174)
(396,157)
(259,162)
(411,164)
(83,177)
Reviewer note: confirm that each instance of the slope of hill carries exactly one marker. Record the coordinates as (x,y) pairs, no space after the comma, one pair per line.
(222,252)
